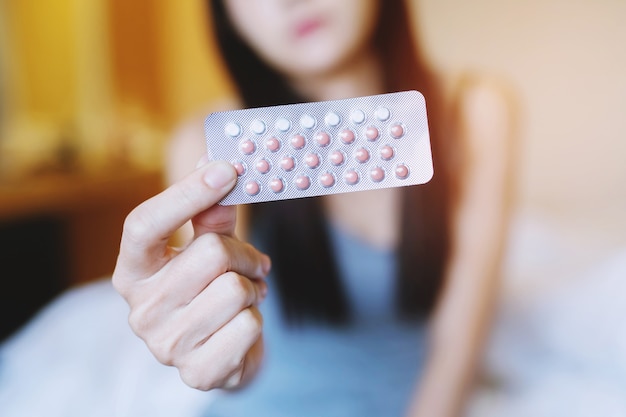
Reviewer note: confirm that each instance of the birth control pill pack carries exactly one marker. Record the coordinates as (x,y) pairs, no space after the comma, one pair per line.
(320,148)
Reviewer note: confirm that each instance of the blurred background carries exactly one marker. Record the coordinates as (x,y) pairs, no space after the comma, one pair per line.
(90,91)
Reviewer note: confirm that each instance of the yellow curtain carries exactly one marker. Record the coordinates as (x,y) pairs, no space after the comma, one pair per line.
(108,77)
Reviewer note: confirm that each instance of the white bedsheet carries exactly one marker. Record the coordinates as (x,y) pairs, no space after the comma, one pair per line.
(559,343)
(79,358)
(558,347)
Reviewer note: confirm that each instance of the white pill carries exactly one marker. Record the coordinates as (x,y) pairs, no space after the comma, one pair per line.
(357,116)
(382,113)
(232,130)
(332,119)
(307,121)
(257,126)
(282,124)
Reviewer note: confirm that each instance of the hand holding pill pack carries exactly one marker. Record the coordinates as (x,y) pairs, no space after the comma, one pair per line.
(320,148)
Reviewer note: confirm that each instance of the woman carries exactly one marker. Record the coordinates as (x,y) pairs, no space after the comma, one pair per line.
(400,336)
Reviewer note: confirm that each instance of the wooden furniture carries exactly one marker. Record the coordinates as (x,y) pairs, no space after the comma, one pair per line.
(60,230)
(92,207)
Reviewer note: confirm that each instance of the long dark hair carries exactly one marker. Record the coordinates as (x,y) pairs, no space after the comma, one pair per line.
(294,231)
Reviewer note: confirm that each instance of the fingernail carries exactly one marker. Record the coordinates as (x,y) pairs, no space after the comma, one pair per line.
(266,264)
(219,174)
(263,290)
(202,161)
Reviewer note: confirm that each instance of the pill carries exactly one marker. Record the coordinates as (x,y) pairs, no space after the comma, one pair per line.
(298,141)
(248,147)
(252,187)
(312,160)
(272,144)
(287,163)
(351,177)
(371,133)
(332,119)
(327,179)
(263,166)
(239,167)
(386,153)
(307,121)
(302,182)
(396,130)
(377,174)
(232,129)
(347,136)
(362,155)
(382,114)
(282,124)
(322,139)
(257,126)
(336,158)
(402,171)
(357,116)
(276,185)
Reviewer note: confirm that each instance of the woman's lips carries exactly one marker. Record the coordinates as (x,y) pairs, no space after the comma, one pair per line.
(307,27)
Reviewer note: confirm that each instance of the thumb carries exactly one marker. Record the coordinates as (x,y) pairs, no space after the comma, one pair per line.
(150,226)
(216,219)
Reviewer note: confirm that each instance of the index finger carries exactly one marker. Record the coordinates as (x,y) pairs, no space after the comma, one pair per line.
(149,227)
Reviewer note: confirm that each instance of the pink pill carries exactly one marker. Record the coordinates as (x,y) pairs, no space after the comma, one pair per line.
(371,133)
(287,163)
(362,155)
(239,167)
(336,158)
(272,144)
(302,182)
(327,180)
(252,187)
(312,160)
(387,152)
(276,185)
(346,136)
(298,141)
(377,174)
(402,171)
(322,139)
(396,130)
(247,147)
(263,166)
(351,177)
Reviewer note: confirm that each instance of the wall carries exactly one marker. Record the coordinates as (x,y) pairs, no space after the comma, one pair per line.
(138,67)
(566,59)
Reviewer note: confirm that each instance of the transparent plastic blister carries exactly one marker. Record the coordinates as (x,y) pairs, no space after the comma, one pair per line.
(320,148)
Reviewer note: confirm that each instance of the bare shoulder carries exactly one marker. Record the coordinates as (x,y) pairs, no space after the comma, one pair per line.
(187,145)
(486,112)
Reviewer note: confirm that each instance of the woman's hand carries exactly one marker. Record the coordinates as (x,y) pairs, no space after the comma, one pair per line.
(195,308)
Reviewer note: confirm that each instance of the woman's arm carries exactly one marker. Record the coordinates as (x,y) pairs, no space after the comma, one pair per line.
(195,306)
(462,319)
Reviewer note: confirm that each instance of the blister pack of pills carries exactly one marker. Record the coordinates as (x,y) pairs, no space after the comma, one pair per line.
(319,148)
